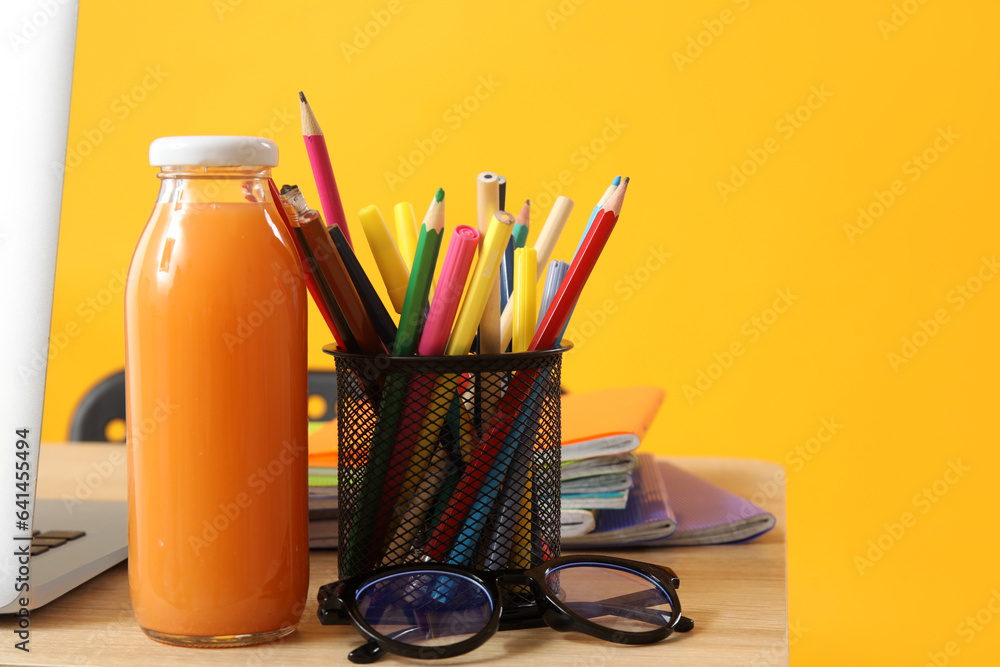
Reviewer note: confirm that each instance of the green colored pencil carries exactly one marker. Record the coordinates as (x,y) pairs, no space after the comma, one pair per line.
(520,231)
(366,534)
(421,274)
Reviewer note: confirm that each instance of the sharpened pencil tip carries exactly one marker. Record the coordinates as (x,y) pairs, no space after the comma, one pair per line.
(302,97)
(617,181)
(626,180)
(439,195)
(527,202)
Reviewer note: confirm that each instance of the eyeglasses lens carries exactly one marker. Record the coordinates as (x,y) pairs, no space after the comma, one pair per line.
(611,596)
(428,608)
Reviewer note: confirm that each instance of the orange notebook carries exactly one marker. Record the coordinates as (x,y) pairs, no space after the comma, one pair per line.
(607,421)
(323,445)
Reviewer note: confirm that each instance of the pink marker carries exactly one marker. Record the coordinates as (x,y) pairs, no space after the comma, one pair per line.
(451,284)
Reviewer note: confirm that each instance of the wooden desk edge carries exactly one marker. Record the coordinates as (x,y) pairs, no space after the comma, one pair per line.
(716,586)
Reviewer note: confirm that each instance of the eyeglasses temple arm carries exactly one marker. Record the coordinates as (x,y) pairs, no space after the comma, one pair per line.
(598,609)
(366,654)
(644,598)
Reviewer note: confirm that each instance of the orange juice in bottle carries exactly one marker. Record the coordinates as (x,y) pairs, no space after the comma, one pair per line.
(215,329)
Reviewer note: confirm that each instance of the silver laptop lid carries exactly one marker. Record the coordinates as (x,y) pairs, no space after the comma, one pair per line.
(36,68)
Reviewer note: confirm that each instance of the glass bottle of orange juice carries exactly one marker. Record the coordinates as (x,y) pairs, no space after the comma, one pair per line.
(215,332)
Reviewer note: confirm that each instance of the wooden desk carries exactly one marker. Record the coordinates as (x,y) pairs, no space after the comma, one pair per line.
(735,594)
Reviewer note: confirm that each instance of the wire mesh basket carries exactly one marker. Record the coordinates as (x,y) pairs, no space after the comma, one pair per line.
(448,459)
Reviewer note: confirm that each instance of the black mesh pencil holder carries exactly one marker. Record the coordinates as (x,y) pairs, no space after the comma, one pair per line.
(448,459)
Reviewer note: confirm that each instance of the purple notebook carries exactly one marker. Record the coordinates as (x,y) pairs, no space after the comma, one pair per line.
(707,514)
(671,507)
(647,516)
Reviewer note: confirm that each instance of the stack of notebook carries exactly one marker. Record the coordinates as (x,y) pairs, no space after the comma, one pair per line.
(611,496)
(669,506)
(600,432)
(324,510)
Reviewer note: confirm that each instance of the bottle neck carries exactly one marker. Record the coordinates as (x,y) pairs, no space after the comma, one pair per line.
(203,185)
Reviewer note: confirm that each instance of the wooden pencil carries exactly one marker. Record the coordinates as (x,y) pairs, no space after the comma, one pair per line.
(488,203)
(381,320)
(331,266)
(319,160)
(554,321)
(544,245)
(320,291)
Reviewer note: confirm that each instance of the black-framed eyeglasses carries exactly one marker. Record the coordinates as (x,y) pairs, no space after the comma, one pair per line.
(435,610)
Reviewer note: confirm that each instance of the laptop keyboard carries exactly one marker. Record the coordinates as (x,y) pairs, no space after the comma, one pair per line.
(52,539)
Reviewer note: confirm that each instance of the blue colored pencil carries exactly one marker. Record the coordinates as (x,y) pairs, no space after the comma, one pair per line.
(464,549)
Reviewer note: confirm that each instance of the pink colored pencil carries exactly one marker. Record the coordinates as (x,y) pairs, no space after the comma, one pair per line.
(319,160)
(455,270)
(433,340)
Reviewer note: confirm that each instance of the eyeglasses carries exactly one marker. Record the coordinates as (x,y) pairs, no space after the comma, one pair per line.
(436,610)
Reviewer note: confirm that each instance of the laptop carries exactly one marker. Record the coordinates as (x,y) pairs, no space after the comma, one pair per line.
(36,67)
(74,542)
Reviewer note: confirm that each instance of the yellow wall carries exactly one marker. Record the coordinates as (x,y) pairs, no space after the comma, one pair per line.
(581,91)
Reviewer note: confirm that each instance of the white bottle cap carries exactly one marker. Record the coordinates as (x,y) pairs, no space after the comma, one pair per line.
(209,151)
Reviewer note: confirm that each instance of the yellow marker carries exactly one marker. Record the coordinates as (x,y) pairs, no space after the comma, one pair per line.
(520,548)
(525,277)
(406,232)
(545,244)
(395,275)
(484,281)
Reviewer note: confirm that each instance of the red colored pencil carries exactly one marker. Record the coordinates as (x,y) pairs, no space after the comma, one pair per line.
(518,390)
(476,472)
(319,160)
(562,305)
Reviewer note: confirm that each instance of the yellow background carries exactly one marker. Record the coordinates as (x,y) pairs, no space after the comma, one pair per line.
(571,75)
